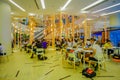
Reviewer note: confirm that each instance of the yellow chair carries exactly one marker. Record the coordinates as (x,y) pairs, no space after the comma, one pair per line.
(74,59)
(68,57)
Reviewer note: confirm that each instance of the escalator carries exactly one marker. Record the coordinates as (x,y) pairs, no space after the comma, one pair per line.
(39,33)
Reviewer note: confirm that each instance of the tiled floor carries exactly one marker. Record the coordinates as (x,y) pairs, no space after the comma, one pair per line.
(21,67)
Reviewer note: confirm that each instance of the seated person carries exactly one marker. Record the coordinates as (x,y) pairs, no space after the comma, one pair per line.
(74,44)
(1,50)
(58,44)
(88,43)
(97,51)
(38,46)
(70,43)
(25,44)
(29,47)
(33,49)
(118,44)
(90,47)
(96,55)
(108,45)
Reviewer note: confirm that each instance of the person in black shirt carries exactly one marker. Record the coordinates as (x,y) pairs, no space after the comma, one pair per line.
(119,44)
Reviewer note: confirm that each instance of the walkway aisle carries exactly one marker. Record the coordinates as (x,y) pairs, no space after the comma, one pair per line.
(22,67)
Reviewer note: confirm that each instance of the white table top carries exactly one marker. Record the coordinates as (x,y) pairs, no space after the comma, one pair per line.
(110,47)
(87,50)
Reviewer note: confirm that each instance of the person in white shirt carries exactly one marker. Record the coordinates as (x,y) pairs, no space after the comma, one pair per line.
(90,56)
(70,43)
(74,44)
(97,53)
(88,43)
(58,44)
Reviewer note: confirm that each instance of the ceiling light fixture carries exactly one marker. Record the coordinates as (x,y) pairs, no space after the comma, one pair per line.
(84,11)
(43,4)
(111,13)
(13,24)
(93,4)
(17,5)
(31,14)
(12,13)
(106,8)
(89,19)
(66,4)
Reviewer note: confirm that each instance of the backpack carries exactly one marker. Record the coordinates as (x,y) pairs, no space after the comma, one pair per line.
(88,72)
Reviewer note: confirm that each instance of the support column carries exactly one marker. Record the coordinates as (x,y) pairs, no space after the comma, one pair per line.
(20,35)
(66,25)
(53,31)
(5,27)
(105,29)
(73,27)
(61,26)
(31,27)
(14,32)
(85,31)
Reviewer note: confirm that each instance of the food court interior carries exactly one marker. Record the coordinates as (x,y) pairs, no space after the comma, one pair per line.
(60,39)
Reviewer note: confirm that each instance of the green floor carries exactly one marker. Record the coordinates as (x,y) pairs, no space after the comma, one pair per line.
(21,67)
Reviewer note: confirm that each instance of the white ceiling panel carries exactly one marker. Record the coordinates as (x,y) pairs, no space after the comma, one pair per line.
(53,6)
